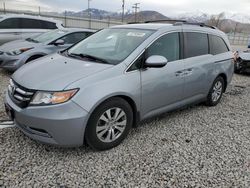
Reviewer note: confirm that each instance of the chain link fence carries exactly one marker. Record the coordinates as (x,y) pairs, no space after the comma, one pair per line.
(241,39)
(17,7)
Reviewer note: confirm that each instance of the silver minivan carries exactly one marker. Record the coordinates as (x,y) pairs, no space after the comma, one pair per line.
(100,88)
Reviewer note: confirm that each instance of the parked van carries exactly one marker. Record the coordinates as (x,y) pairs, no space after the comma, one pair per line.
(13,27)
(100,88)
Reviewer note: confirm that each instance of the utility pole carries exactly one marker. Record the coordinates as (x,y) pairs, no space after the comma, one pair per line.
(89,14)
(136,7)
(123,7)
(4,8)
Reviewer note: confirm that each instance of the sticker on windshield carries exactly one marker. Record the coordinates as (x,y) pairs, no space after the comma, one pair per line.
(60,32)
(136,34)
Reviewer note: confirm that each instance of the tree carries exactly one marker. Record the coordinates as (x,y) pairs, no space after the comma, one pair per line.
(216,19)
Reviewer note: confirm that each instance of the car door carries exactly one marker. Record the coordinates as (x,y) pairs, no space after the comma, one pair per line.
(198,64)
(162,88)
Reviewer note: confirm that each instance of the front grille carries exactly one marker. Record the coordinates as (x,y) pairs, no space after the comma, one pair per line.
(20,96)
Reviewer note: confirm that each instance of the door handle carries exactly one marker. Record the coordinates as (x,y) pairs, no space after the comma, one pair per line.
(178,73)
(188,71)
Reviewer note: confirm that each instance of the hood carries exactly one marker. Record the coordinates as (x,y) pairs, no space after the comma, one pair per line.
(18,44)
(55,72)
(244,56)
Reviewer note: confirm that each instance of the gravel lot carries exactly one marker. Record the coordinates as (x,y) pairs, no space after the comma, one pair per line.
(193,147)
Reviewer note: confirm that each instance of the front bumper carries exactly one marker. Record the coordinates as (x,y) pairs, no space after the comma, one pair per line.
(11,63)
(61,125)
(243,66)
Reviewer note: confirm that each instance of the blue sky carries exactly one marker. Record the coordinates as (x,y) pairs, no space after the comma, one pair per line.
(167,7)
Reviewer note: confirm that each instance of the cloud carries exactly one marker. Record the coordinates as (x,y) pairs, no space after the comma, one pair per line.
(168,8)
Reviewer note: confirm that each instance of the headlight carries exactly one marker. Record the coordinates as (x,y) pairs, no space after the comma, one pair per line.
(49,98)
(19,51)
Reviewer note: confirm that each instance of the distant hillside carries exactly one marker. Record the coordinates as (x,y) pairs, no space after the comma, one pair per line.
(227,23)
(145,16)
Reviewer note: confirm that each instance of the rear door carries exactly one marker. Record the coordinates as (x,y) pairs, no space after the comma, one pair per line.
(198,65)
(163,87)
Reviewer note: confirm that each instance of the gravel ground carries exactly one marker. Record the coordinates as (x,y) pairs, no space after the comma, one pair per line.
(193,147)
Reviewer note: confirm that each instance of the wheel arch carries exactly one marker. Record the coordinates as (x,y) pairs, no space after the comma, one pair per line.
(128,99)
(224,76)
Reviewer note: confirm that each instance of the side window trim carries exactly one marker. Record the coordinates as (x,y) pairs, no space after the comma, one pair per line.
(185,45)
(145,49)
(209,39)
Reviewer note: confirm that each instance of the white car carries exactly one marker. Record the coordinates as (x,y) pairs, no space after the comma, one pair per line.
(13,27)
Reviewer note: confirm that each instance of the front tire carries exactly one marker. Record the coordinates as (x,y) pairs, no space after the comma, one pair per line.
(216,92)
(109,124)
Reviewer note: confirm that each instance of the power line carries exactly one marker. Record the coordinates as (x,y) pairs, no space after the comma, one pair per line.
(136,7)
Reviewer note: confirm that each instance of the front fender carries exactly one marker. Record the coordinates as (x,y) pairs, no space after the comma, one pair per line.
(94,91)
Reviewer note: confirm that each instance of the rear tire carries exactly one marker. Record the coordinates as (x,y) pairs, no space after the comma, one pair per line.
(216,92)
(109,124)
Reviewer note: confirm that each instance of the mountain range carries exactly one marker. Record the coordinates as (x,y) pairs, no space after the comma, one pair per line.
(228,22)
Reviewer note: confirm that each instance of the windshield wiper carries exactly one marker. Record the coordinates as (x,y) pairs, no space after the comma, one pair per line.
(32,40)
(90,57)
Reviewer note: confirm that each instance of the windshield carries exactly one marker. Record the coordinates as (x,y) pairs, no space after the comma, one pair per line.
(110,45)
(48,36)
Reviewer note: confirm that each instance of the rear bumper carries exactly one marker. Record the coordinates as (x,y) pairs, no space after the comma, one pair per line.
(61,125)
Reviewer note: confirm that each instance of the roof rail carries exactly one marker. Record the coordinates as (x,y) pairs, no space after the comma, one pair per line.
(197,24)
(165,20)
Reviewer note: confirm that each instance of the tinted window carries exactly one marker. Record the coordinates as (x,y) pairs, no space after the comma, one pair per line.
(10,23)
(48,25)
(195,44)
(217,45)
(137,64)
(74,37)
(167,46)
(30,24)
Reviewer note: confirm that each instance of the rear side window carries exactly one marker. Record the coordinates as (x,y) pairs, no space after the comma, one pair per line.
(10,23)
(217,45)
(27,23)
(30,24)
(48,25)
(167,46)
(195,44)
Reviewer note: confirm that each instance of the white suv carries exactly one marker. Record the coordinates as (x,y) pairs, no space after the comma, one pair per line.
(14,27)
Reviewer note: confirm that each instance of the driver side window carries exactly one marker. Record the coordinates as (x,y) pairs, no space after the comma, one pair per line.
(167,46)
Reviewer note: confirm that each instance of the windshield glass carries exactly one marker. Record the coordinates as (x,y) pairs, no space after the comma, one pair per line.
(48,36)
(111,45)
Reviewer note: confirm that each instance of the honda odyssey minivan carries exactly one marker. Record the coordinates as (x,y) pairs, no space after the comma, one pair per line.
(97,90)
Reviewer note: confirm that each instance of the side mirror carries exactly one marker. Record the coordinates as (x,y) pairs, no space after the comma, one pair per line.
(156,61)
(59,42)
